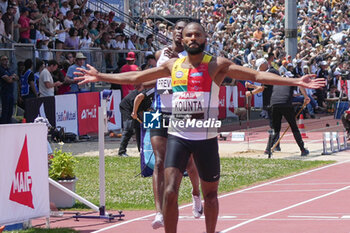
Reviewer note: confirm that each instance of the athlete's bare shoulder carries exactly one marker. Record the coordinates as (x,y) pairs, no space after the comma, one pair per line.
(218,65)
(169,63)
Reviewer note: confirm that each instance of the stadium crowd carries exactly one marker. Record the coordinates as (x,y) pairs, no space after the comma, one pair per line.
(243,31)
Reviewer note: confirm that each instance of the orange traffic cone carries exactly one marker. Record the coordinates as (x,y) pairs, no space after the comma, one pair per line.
(24,120)
(301,126)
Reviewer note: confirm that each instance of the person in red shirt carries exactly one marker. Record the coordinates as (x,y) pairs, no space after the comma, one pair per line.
(129,66)
(24,22)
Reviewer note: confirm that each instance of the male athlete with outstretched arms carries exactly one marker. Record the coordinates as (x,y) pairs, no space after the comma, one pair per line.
(196,77)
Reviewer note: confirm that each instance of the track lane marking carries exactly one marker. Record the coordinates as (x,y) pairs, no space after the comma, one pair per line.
(228,194)
(286,208)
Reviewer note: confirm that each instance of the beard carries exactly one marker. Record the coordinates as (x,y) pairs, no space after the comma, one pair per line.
(195,51)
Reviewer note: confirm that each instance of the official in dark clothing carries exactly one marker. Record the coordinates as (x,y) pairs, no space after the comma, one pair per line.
(281,105)
(129,124)
(321,93)
(7,84)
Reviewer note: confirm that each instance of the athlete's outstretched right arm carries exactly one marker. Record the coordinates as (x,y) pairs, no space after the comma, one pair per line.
(134,77)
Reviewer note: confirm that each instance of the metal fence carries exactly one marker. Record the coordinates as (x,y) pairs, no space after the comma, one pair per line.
(103,60)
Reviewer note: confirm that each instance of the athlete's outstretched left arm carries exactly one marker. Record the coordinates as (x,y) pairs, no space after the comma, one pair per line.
(243,73)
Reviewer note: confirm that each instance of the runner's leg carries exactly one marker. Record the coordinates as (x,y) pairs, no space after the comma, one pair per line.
(173,177)
(211,204)
(159,149)
(176,159)
(193,174)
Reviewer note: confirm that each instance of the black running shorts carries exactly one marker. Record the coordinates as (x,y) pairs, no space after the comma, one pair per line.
(205,155)
(163,132)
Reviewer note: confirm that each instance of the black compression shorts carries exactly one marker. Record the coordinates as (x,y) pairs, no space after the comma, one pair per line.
(205,155)
(163,132)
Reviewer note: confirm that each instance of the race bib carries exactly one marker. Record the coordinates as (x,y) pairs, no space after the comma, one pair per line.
(188,105)
(164,86)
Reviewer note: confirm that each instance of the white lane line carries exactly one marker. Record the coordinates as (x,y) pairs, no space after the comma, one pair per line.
(309,184)
(292,191)
(281,210)
(282,179)
(316,217)
(228,194)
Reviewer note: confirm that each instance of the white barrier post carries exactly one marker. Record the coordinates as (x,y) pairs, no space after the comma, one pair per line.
(331,141)
(345,140)
(101,147)
(325,151)
(338,141)
(102,128)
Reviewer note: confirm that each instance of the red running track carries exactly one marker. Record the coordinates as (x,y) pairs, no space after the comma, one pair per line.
(313,201)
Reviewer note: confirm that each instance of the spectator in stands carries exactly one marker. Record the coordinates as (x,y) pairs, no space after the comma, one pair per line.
(140,45)
(73,40)
(24,22)
(130,66)
(3,6)
(150,62)
(46,82)
(120,44)
(70,58)
(132,42)
(8,78)
(2,29)
(65,7)
(94,33)
(149,44)
(60,32)
(63,68)
(86,43)
(69,79)
(68,22)
(8,19)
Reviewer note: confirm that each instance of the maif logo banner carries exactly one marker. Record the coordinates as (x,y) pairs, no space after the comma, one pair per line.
(114,120)
(23,175)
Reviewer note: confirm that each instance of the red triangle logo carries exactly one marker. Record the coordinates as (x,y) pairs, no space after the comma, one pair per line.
(231,104)
(111,108)
(21,190)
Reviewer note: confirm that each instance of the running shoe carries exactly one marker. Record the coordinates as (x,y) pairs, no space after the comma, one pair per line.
(197,207)
(305,152)
(158,221)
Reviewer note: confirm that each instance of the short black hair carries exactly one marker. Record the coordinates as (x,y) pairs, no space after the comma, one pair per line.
(196,23)
(182,20)
(28,63)
(52,62)
(151,56)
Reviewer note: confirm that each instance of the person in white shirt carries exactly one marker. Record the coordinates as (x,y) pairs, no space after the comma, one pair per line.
(65,7)
(46,83)
(68,22)
(120,43)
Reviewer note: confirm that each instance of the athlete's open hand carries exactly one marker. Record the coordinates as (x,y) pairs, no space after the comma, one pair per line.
(89,75)
(170,53)
(308,81)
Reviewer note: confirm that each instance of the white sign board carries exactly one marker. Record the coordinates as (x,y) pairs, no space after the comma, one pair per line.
(238,136)
(23,175)
(66,112)
(114,121)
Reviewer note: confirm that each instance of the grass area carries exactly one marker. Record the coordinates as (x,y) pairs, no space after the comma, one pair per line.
(124,191)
